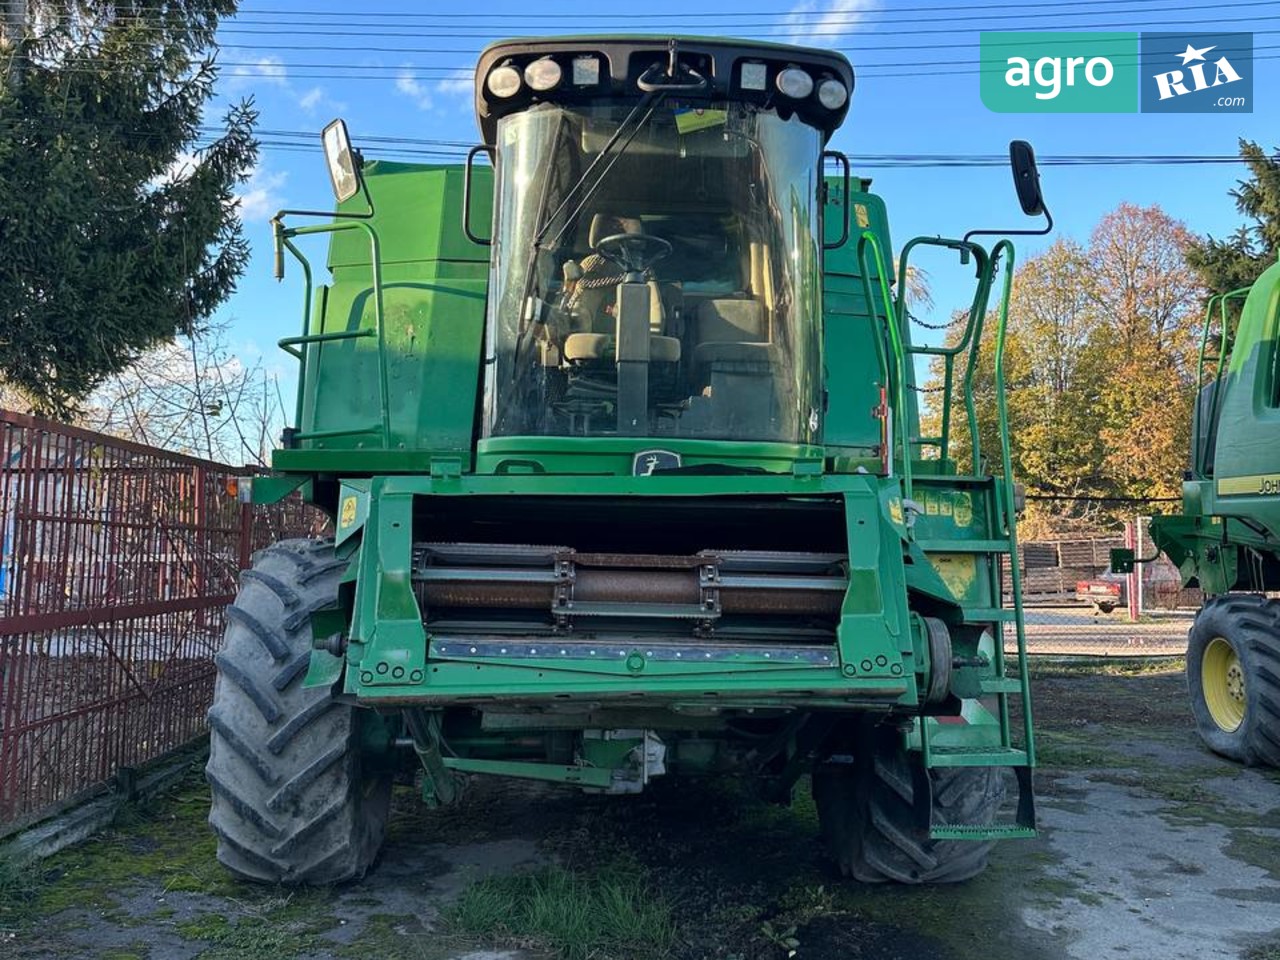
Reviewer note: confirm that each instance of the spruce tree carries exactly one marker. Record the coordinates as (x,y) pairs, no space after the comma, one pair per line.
(1225,265)
(118,226)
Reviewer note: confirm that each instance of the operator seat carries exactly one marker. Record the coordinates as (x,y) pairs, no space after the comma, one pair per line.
(591,302)
(732,334)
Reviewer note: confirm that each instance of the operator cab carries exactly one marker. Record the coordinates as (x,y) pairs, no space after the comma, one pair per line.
(656,255)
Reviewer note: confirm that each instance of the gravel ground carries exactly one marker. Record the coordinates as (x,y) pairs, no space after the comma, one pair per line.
(1150,847)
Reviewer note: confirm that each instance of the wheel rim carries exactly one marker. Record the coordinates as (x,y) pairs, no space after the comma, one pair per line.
(1222,679)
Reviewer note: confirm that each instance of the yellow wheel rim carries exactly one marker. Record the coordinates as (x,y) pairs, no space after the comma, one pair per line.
(1222,679)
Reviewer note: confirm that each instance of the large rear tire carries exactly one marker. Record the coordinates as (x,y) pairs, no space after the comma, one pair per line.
(1233,677)
(870,825)
(292,801)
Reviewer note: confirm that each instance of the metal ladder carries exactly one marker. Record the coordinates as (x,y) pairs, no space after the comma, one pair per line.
(1002,685)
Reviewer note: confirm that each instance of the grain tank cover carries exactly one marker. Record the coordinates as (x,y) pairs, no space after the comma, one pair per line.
(513,75)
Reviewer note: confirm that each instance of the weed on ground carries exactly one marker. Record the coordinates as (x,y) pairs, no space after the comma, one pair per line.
(607,914)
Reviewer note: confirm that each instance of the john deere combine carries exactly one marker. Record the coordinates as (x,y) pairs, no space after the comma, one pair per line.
(621,448)
(1227,539)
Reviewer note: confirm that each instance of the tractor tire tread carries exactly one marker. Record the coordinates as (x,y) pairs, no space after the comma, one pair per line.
(1251,624)
(870,824)
(293,802)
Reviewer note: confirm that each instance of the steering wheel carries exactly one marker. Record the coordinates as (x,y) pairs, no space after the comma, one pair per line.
(633,252)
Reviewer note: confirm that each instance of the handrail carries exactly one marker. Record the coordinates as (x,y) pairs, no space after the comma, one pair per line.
(285,236)
(1224,351)
(1006,458)
(895,377)
(970,340)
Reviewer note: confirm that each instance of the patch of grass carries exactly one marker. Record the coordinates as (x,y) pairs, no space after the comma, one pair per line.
(1105,666)
(578,916)
(400,937)
(20,883)
(1266,951)
(136,952)
(1258,849)
(250,938)
(1061,748)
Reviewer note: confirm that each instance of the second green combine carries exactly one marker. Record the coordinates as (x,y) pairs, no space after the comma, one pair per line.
(1226,541)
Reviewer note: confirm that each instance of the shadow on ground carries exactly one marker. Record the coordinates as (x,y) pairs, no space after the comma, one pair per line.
(1151,848)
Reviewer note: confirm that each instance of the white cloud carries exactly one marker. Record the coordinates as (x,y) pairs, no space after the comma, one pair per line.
(311,99)
(460,83)
(407,85)
(823,23)
(260,196)
(267,69)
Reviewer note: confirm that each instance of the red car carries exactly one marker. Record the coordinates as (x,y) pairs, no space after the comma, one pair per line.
(1104,593)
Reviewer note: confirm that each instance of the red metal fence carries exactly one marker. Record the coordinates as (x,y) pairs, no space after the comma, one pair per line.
(116,561)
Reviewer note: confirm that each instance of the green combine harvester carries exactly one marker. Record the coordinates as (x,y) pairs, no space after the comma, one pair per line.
(619,438)
(1227,539)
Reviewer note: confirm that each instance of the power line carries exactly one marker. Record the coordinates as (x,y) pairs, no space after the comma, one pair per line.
(291,30)
(399,15)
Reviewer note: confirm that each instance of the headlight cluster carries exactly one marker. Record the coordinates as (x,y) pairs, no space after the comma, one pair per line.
(798,84)
(541,75)
(547,73)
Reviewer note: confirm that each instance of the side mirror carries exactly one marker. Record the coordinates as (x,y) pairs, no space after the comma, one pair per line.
(344,166)
(1026,178)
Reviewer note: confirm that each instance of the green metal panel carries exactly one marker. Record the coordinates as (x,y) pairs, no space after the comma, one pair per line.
(434,284)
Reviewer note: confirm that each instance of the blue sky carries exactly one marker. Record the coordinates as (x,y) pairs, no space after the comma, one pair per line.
(401,69)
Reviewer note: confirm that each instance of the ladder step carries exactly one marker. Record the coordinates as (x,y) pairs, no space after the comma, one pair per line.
(963,546)
(1010,831)
(1001,685)
(977,757)
(988,614)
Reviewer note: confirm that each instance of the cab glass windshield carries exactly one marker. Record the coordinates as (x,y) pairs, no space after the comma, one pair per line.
(655,274)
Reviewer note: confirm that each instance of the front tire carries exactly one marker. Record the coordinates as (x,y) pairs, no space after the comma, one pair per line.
(1233,677)
(293,802)
(870,825)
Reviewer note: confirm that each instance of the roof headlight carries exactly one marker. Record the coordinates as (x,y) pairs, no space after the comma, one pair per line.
(503,81)
(832,94)
(795,83)
(544,74)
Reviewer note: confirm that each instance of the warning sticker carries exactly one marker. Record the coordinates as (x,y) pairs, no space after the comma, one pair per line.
(689,119)
(348,516)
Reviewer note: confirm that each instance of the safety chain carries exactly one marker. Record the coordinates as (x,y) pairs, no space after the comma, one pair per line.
(935,326)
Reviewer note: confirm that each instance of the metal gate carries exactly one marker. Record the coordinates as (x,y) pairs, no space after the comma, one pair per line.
(116,561)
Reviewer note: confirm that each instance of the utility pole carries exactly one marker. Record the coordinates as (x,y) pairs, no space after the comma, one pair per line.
(14,36)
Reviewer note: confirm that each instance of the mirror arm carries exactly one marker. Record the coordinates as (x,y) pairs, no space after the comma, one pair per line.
(1017,233)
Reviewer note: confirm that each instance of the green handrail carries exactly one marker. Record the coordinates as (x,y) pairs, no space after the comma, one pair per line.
(284,236)
(1006,459)
(969,341)
(1224,351)
(895,376)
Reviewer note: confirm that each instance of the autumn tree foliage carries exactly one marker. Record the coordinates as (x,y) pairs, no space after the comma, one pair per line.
(1099,371)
